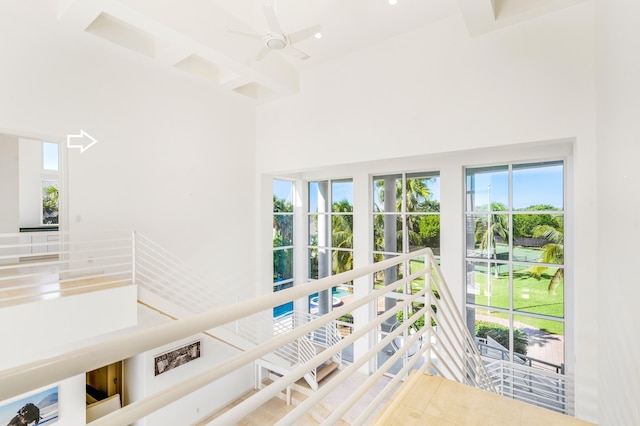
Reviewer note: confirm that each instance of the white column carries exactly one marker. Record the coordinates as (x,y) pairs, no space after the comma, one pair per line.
(324,241)
(300,237)
(362,256)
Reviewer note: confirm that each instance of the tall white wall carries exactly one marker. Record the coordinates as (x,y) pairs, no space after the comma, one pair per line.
(173,154)
(435,92)
(618,67)
(173,157)
(9,219)
(30,182)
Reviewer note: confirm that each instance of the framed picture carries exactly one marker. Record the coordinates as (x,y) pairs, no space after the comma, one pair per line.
(176,357)
(40,408)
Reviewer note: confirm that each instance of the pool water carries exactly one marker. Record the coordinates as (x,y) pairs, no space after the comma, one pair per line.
(337,293)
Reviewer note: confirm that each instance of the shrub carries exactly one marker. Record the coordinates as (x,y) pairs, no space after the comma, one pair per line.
(500,334)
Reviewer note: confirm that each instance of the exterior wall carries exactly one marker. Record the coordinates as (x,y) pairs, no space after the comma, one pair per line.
(439,99)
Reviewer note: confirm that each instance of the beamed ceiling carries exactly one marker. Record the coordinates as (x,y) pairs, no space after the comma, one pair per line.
(194,35)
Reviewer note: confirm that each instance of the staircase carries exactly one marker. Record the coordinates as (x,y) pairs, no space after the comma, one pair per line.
(300,346)
(307,347)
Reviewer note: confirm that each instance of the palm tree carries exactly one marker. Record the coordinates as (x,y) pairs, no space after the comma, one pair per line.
(486,234)
(552,252)
(342,236)
(50,205)
(416,199)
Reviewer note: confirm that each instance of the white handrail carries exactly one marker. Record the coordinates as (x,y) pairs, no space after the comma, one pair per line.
(250,404)
(24,378)
(449,348)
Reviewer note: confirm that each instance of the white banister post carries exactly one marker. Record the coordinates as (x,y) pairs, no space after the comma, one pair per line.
(427,300)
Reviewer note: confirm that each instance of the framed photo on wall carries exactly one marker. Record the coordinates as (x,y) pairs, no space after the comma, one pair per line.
(176,357)
(39,408)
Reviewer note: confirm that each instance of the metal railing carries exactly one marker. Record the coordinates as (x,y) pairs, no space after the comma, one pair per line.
(308,346)
(447,349)
(58,263)
(534,386)
(489,351)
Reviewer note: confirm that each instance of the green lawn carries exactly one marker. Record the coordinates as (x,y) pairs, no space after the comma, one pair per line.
(531,295)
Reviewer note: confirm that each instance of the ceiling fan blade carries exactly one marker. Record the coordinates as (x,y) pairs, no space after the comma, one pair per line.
(243,34)
(262,53)
(272,20)
(304,34)
(292,51)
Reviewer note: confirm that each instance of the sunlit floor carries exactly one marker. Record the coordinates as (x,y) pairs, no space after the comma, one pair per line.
(27,282)
(276,408)
(426,399)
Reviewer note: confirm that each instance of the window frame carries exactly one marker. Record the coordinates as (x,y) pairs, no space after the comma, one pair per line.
(566,319)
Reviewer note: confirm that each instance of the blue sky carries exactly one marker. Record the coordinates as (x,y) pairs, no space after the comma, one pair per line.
(532,184)
(8,411)
(50,156)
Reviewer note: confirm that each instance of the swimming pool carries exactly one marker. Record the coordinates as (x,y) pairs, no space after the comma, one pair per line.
(287,308)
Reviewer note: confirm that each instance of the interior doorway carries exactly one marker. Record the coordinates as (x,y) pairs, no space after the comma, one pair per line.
(104,390)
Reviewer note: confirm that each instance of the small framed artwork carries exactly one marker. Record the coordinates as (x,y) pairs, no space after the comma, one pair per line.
(40,408)
(176,357)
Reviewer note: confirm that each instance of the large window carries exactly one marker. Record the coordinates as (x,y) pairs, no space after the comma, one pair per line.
(282,241)
(330,244)
(515,262)
(406,217)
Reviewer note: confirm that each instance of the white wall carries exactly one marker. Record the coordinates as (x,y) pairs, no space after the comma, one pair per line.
(9,184)
(197,405)
(173,157)
(173,154)
(437,92)
(62,321)
(618,292)
(30,182)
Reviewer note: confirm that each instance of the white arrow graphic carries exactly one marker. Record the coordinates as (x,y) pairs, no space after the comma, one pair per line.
(85,141)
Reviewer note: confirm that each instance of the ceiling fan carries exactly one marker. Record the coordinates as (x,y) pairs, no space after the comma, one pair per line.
(276,39)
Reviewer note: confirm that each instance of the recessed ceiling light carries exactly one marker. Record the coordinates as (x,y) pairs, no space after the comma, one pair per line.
(393,2)
(318,35)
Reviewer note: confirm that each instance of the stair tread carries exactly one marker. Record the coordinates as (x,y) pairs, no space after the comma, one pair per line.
(326,370)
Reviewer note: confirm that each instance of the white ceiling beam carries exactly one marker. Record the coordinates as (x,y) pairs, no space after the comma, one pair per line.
(479,15)
(192,27)
(482,16)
